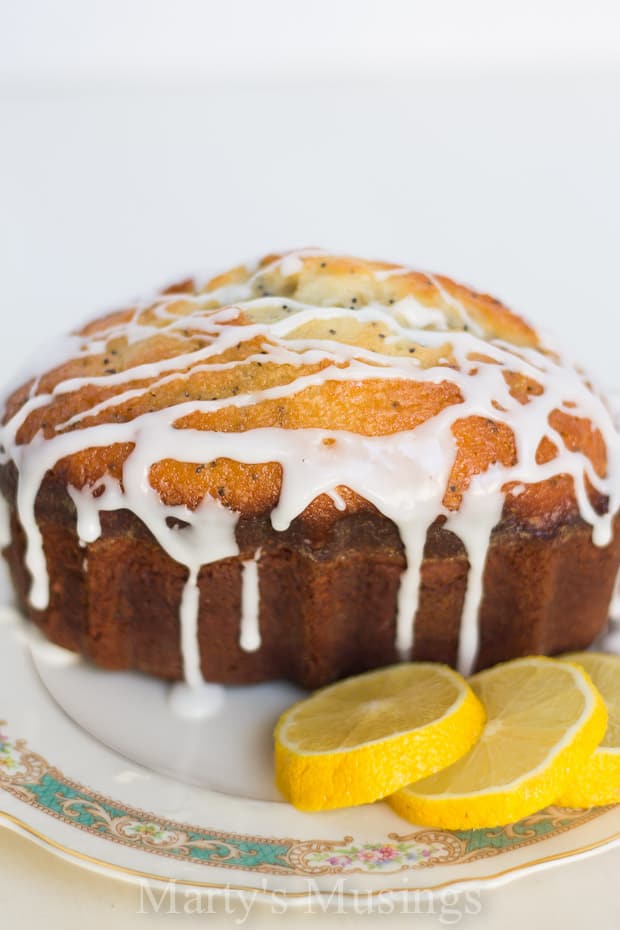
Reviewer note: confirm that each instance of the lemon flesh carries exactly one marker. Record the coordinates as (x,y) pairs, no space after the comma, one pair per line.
(362,738)
(598,781)
(544,720)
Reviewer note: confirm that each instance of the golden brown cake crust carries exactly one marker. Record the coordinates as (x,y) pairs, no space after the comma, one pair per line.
(370,408)
(329,584)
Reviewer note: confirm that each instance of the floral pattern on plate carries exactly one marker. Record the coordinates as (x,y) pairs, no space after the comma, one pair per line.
(29,777)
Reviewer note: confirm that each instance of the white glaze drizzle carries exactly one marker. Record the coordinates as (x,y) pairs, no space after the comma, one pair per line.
(613,611)
(404,474)
(473,523)
(249,628)
(5,523)
(195,701)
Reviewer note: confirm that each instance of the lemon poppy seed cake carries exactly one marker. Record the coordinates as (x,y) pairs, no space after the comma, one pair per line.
(308,468)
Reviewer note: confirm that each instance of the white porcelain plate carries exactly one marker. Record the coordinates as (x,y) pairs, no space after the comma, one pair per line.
(95,766)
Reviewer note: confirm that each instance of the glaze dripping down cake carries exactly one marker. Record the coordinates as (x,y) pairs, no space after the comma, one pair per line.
(308,468)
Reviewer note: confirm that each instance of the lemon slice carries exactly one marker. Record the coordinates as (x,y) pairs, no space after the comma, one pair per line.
(544,719)
(598,780)
(362,738)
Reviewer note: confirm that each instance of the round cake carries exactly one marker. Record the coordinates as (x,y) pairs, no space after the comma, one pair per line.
(307,468)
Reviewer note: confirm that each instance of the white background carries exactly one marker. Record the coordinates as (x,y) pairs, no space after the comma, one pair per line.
(141,139)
